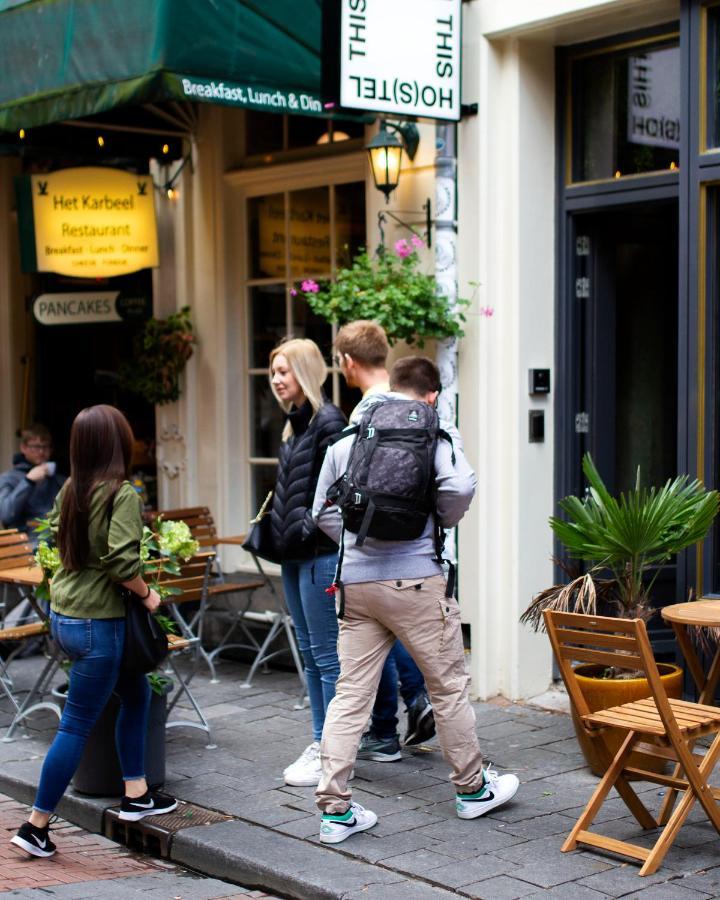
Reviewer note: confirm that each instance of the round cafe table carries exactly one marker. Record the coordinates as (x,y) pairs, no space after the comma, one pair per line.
(703,613)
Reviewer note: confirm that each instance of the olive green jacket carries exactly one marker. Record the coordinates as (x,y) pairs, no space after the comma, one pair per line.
(92,592)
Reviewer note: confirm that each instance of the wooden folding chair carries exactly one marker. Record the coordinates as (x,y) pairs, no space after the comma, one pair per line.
(15,552)
(657,726)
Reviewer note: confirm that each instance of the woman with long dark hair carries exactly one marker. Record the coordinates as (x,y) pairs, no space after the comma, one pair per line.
(309,557)
(98,524)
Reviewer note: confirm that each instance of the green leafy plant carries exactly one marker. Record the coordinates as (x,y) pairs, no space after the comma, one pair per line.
(161,352)
(159,683)
(390,289)
(633,536)
(161,551)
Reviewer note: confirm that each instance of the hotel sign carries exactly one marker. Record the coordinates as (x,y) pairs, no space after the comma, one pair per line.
(88,222)
(401,58)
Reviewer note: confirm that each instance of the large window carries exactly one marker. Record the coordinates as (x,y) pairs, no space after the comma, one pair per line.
(625,111)
(711,78)
(293,235)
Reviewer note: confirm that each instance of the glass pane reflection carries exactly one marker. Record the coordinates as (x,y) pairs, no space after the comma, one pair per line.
(310,232)
(266,232)
(267,418)
(626,113)
(268,324)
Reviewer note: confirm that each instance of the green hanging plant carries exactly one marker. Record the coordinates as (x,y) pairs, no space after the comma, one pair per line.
(390,289)
(161,352)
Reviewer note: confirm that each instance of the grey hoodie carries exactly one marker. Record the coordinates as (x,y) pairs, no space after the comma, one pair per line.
(379,560)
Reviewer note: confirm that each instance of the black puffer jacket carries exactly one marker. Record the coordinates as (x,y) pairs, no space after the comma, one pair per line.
(294,533)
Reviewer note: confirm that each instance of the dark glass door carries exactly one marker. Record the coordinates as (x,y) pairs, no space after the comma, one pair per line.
(626,286)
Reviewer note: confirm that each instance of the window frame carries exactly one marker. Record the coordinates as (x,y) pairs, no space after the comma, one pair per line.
(658,38)
(242,184)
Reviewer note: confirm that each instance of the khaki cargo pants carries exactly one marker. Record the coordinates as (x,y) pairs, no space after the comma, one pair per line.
(428,624)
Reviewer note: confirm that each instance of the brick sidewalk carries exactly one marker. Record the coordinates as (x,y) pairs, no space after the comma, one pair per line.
(81,856)
(87,860)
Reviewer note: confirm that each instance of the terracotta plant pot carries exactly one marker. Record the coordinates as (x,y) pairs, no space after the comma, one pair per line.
(603,693)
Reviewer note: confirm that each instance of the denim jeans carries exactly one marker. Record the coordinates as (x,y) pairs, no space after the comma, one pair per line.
(95,647)
(400,664)
(316,628)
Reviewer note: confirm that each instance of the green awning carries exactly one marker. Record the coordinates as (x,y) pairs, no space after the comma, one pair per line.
(65,59)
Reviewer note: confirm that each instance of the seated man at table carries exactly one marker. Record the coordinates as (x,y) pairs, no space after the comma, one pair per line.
(29,488)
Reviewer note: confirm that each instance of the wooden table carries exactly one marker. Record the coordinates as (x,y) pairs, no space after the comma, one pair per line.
(703,613)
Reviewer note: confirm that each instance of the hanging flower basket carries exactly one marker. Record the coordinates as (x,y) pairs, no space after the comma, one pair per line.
(390,289)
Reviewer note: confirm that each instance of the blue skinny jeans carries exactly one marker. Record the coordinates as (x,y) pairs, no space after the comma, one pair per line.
(399,664)
(95,648)
(316,628)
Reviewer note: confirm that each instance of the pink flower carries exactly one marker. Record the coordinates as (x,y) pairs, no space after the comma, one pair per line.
(293,292)
(309,286)
(402,248)
(417,242)
(486,311)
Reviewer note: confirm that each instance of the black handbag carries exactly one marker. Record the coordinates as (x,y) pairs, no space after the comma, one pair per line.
(259,540)
(146,643)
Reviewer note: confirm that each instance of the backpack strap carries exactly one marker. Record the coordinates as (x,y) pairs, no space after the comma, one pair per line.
(337,585)
(352,429)
(446,437)
(365,524)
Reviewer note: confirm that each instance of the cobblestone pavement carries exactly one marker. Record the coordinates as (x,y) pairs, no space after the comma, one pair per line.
(88,865)
(419,842)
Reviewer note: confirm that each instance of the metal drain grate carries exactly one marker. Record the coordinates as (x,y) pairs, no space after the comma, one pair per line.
(154,833)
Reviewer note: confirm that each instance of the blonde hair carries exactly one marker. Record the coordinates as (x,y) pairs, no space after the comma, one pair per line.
(308,367)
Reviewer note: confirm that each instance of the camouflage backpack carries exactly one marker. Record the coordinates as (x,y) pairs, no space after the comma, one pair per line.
(388,490)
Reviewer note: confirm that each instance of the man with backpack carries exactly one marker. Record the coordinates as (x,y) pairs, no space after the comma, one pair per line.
(361,351)
(386,490)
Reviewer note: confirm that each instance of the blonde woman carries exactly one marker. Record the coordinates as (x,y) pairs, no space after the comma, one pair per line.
(309,557)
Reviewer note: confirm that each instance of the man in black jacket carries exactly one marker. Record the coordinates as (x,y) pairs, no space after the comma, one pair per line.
(28,490)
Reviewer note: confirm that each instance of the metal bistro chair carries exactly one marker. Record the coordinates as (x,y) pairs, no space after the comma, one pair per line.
(17,559)
(191,587)
(659,726)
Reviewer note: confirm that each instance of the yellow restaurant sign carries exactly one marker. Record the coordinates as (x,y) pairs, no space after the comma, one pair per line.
(93,222)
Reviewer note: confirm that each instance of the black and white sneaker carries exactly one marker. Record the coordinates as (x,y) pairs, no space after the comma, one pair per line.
(35,841)
(420,721)
(496,790)
(335,828)
(133,809)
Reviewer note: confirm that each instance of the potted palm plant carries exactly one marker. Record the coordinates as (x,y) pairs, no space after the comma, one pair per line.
(627,540)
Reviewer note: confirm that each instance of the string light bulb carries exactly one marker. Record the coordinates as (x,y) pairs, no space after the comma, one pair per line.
(101,141)
(171,193)
(618,174)
(21,134)
(166,149)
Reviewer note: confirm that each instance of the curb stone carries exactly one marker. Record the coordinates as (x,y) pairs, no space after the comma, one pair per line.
(253,855)
(243,853)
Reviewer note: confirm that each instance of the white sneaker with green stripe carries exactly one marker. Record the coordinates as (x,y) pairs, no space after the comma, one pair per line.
(334,829)
(496,790)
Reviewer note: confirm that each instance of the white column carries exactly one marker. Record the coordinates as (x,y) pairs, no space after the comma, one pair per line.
(506,230)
